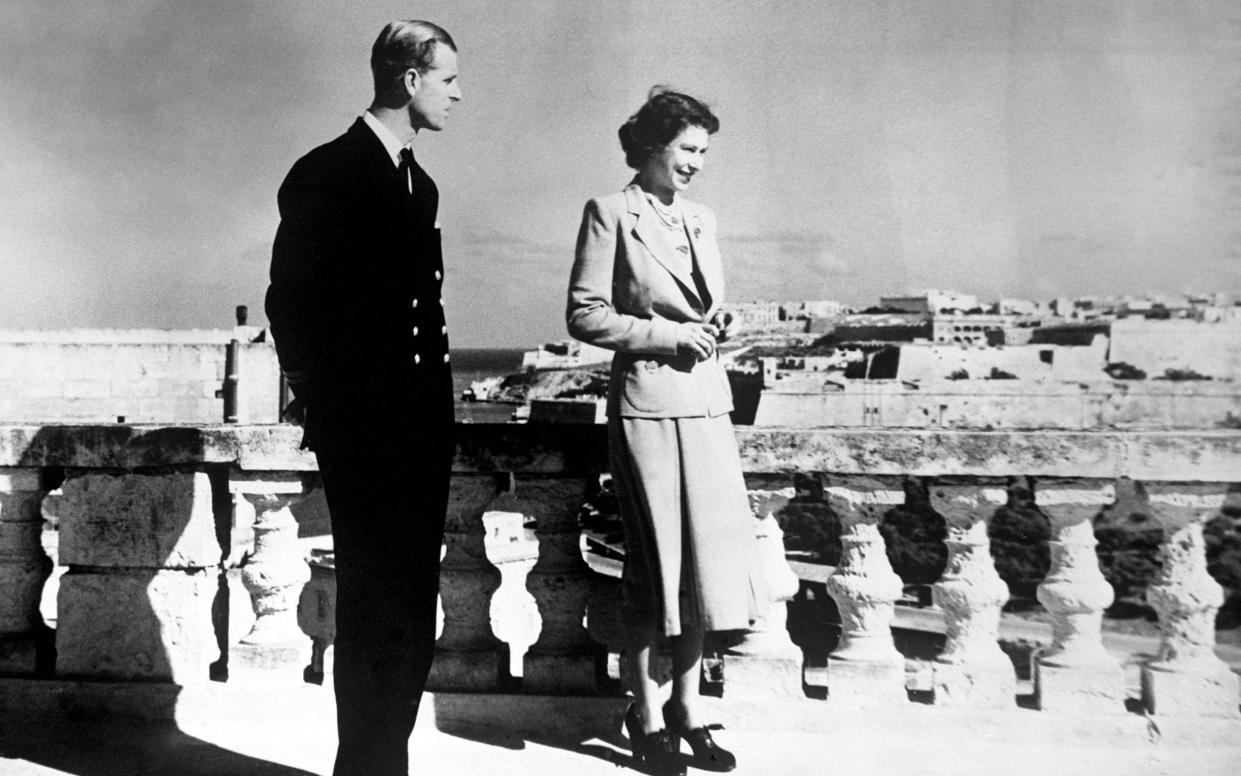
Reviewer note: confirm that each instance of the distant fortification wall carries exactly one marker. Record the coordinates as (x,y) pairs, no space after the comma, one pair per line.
(927,361)
(1211,349)
(141,375)
(1002,404)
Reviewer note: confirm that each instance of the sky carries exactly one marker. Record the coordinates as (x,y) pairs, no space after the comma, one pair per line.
(1005,148)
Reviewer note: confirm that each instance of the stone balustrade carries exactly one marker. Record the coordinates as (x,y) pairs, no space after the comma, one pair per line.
(155,521)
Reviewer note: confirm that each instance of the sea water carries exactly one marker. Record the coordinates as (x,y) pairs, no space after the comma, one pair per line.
(472,364)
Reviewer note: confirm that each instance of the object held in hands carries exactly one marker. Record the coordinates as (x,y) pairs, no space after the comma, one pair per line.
(727,325)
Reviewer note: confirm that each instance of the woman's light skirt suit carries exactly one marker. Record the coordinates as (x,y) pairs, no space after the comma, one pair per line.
(690,554)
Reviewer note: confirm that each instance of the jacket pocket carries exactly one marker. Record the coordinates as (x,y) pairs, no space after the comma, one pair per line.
(645,387)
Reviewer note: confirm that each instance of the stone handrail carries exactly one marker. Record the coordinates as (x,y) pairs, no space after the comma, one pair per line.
(152,518)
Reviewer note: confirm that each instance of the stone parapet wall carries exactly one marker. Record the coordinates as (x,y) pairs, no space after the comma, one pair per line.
(154,523)
(1209,456)
(140,376)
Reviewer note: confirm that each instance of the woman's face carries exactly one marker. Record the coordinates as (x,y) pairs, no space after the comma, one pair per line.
(670,169)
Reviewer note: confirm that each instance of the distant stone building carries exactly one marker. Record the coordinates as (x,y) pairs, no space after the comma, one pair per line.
(1069,333)
(980,330)
(756,313)
(930,301)
(821,308)
(1017,307)
(564,354)
(881,327)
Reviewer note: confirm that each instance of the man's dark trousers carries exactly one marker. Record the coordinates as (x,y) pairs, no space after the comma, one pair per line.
(387,580)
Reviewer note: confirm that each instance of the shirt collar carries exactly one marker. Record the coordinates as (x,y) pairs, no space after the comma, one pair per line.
(390,142)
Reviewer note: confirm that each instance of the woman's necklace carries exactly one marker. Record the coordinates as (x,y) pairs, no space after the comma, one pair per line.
(668,215)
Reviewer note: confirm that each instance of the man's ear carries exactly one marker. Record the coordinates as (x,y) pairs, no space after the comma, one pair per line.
(411,80)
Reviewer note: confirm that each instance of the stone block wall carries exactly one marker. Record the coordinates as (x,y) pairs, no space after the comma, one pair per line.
(142,376)
(143,571)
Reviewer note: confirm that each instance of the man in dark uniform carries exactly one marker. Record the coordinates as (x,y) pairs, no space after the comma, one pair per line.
(357,316)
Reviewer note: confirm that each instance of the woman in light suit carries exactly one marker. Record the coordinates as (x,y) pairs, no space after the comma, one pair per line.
(647,283)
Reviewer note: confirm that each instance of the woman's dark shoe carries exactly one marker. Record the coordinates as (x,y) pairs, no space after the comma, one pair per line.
(657,752)
(708,755)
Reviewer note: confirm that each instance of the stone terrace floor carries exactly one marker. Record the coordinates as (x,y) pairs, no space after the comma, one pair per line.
(228,730)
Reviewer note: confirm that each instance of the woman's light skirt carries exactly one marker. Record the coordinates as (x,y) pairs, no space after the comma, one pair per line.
(690,552)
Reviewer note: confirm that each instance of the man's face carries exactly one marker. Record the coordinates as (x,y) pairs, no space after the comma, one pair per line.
(435,92)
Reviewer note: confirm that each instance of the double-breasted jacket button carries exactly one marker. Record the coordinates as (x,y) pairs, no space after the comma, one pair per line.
(413,302)
(438,274)
(417,358)
(444,329)
(445,358)
(414,331)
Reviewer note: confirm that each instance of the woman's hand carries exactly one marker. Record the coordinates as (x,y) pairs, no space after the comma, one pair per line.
(727,324)
(697,339)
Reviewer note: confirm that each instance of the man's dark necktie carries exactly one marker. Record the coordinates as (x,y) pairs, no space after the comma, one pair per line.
(407,169)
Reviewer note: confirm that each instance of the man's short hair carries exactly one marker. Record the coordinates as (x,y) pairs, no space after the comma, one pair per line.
(402,45)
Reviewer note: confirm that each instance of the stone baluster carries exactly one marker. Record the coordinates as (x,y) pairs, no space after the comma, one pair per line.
(316,611)
(276,570)
(1076,673)
(1187,677)
(865,668)
(468,656)
(144,560)
(766,662)
(25,640)
(972,670)
(564,659)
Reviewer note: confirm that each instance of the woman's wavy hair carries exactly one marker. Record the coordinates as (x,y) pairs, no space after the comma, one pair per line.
(665,115)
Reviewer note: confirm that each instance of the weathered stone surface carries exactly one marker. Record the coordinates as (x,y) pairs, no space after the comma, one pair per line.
(136,625)
(864,586)
(551,674)
(1184,456)
(468,656)
(564,659)
(989,685)
(865,668)
(866,682)
(316,610)
(972,670)
(276,571)
(138,521)
(1079,689)
(766,662)
(1074,590)
(1186,677)
(1213,691)
(24,567)
(25,654)
(464,670)
(754,676)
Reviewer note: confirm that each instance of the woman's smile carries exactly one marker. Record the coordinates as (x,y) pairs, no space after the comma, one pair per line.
(670,169)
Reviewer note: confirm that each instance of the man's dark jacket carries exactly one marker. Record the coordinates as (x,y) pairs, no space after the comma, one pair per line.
(355,303)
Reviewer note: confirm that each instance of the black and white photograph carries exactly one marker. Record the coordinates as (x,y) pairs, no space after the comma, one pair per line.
(570,387)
